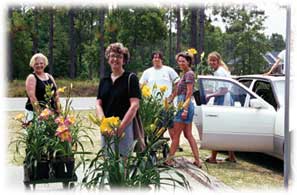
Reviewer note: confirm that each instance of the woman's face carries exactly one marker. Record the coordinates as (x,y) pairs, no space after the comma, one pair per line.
(115,60)
(39,65)
(213,62)
(183,63)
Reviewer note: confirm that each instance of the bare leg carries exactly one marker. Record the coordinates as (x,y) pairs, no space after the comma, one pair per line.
(213,157)
(231,157)
(189,136)
(175,135)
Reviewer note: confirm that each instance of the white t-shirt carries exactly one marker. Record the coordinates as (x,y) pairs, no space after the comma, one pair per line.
(222,72)
(282,57)
(162,76)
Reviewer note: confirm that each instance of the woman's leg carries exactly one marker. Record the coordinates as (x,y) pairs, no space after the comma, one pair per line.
(175,136)
(189,136)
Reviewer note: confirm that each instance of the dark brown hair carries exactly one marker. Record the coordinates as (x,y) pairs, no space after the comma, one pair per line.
(189,57)
(159,53)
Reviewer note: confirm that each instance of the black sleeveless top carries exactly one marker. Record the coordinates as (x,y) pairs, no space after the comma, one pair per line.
(40,93)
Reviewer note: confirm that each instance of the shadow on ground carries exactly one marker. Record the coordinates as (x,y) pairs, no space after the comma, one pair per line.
(263,160)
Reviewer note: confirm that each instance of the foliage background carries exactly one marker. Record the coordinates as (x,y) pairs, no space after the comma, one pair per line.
(74,39)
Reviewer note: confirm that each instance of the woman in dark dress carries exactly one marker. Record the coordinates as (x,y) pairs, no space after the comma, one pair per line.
(36,83)
(116,98)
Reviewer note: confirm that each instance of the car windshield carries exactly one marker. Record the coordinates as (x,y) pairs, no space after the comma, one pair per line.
(280,91)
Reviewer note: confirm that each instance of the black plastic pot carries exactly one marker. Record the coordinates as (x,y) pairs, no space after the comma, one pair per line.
(63,167)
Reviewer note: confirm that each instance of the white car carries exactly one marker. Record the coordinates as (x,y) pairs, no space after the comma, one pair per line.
(250,119)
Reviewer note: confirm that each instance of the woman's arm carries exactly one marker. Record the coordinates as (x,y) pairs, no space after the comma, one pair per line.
(99,109)
(30,89)
(188,97)
(130,114)
(221,91)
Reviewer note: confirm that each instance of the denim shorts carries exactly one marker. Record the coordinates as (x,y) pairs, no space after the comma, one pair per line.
(125,145)
(189,119)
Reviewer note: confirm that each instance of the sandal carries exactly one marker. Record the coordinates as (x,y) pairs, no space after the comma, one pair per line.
(209,160)
(229,160)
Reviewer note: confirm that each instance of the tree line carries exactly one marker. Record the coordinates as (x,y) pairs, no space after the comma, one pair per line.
(74,39)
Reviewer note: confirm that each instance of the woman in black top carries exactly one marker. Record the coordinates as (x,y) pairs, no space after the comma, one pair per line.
(36,84)
(115,98)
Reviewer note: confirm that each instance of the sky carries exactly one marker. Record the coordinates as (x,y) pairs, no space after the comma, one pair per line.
(274,23)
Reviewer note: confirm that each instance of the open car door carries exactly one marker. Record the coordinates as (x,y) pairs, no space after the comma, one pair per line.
(239,121)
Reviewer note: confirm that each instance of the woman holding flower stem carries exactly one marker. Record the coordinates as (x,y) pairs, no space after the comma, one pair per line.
(113,98)
(184,117)
(41,87)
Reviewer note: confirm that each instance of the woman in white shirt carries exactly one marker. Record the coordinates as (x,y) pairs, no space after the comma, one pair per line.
(220,69)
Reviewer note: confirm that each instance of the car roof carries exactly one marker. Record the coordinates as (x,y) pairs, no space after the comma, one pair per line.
(260,76)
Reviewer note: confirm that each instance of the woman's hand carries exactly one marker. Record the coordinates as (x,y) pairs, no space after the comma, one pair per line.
(184,114)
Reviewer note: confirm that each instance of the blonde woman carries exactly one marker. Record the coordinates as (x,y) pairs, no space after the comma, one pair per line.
(36,83)
(221,70)
(184,117)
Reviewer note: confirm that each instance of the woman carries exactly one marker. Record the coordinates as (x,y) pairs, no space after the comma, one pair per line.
(220,69)
(113,98)
(184,117)
(36,87)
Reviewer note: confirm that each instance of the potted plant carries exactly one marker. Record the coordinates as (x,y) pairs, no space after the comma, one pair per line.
(109,169)
(51,140)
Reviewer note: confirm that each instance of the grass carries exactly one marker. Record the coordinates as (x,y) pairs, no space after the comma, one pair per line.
(252,170)
(81,88)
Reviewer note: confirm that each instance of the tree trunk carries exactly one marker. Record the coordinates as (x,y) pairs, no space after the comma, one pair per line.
(101,42)
(72,55)
(201,33)
(194,30)
(170,38)
(35,32)
(178,29)
(51,42)
(10,67)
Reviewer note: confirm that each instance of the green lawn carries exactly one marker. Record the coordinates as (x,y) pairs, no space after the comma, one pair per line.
(247,173)
(86,88)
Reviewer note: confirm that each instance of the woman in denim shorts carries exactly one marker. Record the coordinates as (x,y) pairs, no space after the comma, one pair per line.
(184,117)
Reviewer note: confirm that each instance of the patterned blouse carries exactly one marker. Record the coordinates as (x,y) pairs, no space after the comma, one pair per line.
(188,78)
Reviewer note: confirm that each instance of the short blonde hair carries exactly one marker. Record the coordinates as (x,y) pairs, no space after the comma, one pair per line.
(38,55)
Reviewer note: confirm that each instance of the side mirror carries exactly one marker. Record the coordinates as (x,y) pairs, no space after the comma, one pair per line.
(196,95)
(255,103)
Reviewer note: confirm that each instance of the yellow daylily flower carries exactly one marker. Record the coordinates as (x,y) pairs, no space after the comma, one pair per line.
(192,51)
(163,88)
(61,89)
(146,91)
(71,119)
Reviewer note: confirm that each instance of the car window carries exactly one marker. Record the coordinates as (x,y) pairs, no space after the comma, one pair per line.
(280,91)
(223,93)
(246,82)
(264,90)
